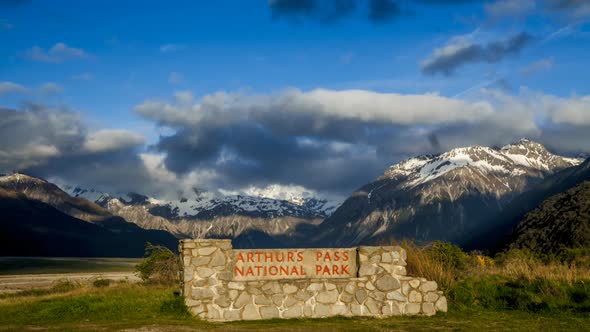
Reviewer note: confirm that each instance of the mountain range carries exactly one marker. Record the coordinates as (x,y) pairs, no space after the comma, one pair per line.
(473,196)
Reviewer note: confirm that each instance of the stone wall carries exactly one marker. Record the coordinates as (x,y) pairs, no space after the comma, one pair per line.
(380,287)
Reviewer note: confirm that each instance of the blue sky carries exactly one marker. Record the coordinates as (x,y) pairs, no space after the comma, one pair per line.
(101,60)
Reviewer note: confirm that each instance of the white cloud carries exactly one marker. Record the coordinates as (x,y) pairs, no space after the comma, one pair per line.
(58,53)
(8,87)
(360,105)
(111,139)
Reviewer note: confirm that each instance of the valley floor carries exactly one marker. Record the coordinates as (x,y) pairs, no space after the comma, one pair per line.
(133,307)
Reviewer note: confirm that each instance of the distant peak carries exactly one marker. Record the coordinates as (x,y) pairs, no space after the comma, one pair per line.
(19,177)
(525,142)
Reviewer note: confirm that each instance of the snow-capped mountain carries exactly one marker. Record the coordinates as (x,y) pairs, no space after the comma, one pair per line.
(203,214)
(440,196)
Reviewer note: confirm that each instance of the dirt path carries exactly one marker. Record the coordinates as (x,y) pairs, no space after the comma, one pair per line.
(16,283)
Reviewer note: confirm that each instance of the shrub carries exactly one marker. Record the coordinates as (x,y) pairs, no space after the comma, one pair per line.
(160,265)
(98,283)
(430,264)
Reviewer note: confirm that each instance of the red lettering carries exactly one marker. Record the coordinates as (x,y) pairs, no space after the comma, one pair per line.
(318,269)
(282,255)
(301,271)
(345,269)
(258,254)
(240,258)
(268,257)
(335,270)
(300,256)
(336,256)
(327,256)
(345,256)
(290,255)
(318,255)
(326,270)
(250,257)
(294,270)
(270,270)
(258,267)
(239,271)
(284,270)
(249,272)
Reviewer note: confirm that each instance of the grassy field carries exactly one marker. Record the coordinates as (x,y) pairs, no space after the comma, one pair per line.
(136,307)
(51,265)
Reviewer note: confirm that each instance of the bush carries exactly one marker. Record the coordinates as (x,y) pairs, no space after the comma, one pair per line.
(430,264)
(160,266)
(174,306)
(98,283)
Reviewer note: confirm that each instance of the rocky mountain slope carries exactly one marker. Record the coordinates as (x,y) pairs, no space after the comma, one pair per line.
(498,231)
(440,197)
(30,227)
(561,222)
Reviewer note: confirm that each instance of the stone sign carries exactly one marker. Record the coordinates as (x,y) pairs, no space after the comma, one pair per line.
(294,264)
(222,284)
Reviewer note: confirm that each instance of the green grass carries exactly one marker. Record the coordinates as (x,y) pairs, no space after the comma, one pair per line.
(49,265)
(128,306)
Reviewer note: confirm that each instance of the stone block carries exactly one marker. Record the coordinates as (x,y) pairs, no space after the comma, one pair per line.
(222,301)
(396,296)
(330,286)
(373,306)
(200,261)
(290,289)
(243,299)
(346,297)
(205,272)
(428,286)
(415,283)
(233,314)
(350,287)
(269,312)
(315,287)
(293,312)
(431,297)
(321,310)
(290,301)
(262,300)
(340,310)
(327,296)
(196,310)
(250,312)
(360,295)
(202,293)
(415,297)
(387,283)
(236,285)
(303,295)
(277,299)
(189,245)
(212,312)
(358,309)
(412,309)
(218,259)
(428,309)
(205,251)
(441,304)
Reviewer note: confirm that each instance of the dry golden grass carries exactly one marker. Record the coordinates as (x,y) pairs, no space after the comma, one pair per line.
(449,267)
(421,263)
